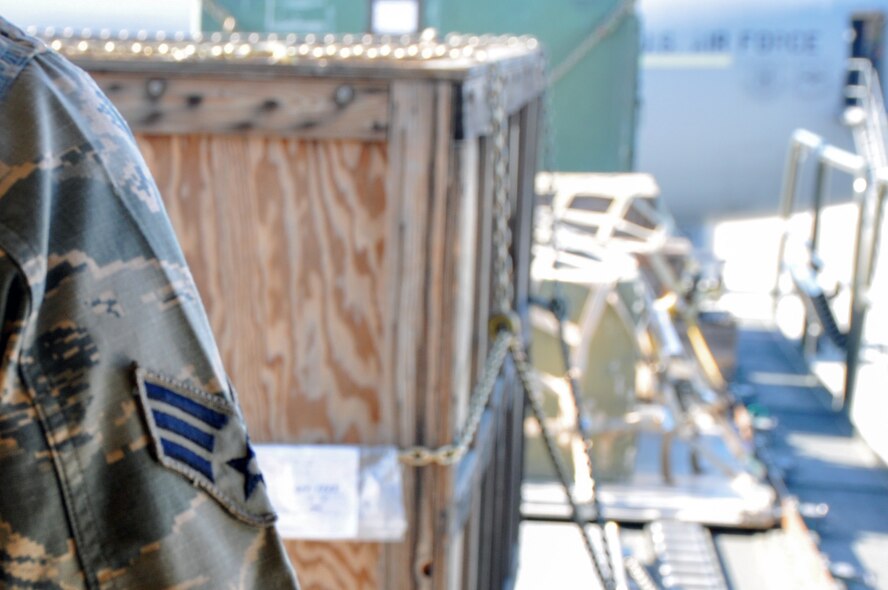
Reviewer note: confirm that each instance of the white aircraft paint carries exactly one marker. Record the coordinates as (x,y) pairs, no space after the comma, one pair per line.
(724,83)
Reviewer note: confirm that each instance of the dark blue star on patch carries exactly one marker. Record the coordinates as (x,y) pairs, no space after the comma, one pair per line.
(251,480)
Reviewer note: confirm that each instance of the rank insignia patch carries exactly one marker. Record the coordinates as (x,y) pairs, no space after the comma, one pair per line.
(202,436)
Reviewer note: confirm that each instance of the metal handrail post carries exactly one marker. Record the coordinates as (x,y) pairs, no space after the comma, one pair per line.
(868,117)
(870,126)
(809,344)
(801,144)
(829,159)
(820,188)
(869,234)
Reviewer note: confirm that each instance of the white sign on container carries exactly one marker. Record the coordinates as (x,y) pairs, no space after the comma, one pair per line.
(335,492)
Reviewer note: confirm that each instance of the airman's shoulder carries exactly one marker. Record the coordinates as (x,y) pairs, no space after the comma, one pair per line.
(17,49)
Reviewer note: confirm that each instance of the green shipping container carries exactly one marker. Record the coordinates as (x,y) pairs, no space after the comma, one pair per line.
(593,103)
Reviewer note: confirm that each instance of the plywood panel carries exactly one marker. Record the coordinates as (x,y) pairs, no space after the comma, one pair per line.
(287,243)
(337,566)
(348,285)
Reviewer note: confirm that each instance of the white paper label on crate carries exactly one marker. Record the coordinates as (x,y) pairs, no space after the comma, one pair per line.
(313,488)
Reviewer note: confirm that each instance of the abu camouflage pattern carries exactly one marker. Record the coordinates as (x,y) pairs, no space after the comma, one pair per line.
(123,454)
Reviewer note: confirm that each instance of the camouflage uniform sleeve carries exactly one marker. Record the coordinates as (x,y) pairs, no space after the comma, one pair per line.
(125,459)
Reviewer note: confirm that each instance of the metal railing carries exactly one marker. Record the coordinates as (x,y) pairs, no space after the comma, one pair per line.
(869,123)
(866,113)
(804,144)
(868,169)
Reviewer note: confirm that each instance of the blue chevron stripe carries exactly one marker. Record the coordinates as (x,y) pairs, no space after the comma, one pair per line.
(165,421)
(206,415)
(188,457)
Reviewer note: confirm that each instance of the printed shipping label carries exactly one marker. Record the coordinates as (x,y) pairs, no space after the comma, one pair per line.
(313,488)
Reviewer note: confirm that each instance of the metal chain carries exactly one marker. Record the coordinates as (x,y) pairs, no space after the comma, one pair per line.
(583,423)
(531,393)
(607,26)
(503,325)
(504,293)
(548,122)
(220,14)
(506,327)
(506,342)
(502,205)
(450,454)
(558,307)
(550,154)
(419,456)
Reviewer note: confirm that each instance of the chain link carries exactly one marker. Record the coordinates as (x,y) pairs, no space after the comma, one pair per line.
(547,121)
(506,330)
(506,342)
(531,393)
(583,422)
(503,324)
(607,26)
(502,204)
(558,306)
(452,453)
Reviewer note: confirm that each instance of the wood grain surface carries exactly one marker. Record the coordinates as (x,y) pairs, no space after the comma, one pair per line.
(337,566)
(347,282)
(170,104)
(287,241)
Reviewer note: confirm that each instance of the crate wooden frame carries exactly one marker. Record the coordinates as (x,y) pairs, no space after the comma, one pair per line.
(373,328)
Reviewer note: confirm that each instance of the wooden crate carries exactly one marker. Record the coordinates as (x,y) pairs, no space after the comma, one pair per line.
(336,211)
